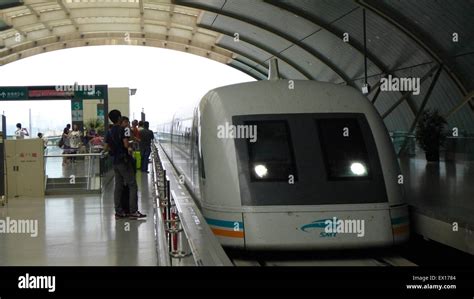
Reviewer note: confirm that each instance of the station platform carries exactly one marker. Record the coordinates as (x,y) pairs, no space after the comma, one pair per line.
(80,230)
(441,196)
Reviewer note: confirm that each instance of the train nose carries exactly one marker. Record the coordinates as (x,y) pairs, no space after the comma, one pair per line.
(318,230)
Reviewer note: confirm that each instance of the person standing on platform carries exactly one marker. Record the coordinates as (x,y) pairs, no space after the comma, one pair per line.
(74,141)
(125,123)
(146,137)
(136,135)
(117,143)
(65,145)
(45,140)
(67,129)
(20,133)
(97,140)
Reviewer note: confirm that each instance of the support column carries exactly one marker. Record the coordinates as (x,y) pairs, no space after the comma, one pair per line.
(106,108)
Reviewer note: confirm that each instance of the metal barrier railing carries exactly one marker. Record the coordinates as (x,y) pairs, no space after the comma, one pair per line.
(454,148)
(168,227)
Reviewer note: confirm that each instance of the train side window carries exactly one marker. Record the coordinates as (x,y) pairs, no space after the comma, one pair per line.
(344,149)
(271,156)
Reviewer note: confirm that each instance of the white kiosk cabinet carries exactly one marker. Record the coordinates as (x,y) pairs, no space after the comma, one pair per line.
(25,167)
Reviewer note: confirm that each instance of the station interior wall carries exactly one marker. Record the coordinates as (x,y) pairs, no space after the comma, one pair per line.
(119,98)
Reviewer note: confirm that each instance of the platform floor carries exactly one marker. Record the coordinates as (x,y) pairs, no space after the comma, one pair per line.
(443,190)
(80,230)
(441,199)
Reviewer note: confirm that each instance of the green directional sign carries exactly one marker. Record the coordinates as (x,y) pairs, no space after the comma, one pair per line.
(13,93)
(77,115)
(76,105)
(98,92)
(100,110)
(77,112)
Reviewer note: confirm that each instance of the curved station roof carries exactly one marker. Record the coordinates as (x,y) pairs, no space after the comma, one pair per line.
(312,39)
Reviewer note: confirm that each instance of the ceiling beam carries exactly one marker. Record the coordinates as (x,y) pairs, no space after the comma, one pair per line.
(261,63)
(238,52)
(68,13)
(339,34)
(466,99)
(428,46)
(245,71)
(9,23)
(87,39)
(170,19)
(331,29)
(263,48)
(251,66)
(142,15)
(38,17)
(407,93)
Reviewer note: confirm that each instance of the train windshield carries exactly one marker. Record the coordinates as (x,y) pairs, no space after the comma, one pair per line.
(270,154)
(308,159)
(344,150)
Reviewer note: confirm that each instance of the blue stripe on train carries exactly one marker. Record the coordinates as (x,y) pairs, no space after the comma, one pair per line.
(399,220)
(224,223)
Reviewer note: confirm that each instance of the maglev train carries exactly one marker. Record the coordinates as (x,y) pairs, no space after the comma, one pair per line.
(290,165)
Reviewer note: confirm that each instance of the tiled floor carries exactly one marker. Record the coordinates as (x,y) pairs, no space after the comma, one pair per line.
(79,230)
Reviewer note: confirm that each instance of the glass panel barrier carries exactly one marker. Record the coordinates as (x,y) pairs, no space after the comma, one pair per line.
(460,148)
(68,172)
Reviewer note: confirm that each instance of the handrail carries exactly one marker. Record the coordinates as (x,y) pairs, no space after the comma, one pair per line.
(186,226)
(170,221)
(76,155)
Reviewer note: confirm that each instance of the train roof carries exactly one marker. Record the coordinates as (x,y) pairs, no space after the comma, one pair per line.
(285,96)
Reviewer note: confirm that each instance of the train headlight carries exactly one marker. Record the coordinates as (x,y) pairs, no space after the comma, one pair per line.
(261,170)
(358,168)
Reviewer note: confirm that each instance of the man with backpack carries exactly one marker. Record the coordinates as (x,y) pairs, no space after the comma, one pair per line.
(117,142)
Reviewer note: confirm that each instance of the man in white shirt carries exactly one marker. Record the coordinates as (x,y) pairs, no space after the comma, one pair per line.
(21,133)
(75,138)
(74,141)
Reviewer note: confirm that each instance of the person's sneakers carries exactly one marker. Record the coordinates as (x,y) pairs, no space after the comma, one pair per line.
(136,215)
(120,215)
